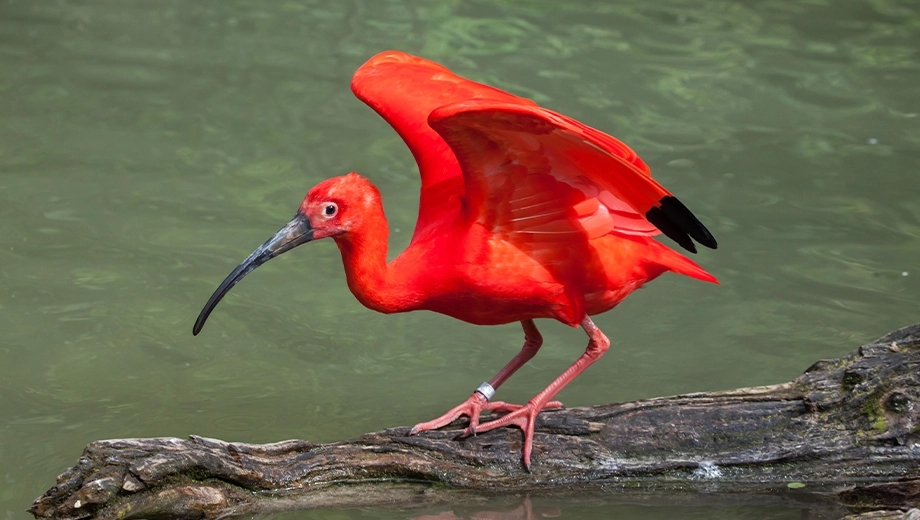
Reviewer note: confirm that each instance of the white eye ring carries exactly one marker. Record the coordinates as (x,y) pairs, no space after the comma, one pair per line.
(330,209)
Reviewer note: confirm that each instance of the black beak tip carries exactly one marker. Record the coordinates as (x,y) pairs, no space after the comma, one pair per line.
(203,317)
(199,323)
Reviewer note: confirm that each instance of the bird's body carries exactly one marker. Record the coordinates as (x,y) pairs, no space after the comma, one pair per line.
(473,275)
(524,213)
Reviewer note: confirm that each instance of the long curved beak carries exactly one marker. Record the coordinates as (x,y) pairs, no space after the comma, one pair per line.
(297,231)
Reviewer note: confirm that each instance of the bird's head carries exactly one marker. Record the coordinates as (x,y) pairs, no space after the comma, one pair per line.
(333,208)
(340,205)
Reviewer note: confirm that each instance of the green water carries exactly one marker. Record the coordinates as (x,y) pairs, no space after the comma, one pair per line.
(147,147)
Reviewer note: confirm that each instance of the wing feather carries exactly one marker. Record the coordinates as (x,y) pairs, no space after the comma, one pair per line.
(404,90)
(509,153)
(544,174)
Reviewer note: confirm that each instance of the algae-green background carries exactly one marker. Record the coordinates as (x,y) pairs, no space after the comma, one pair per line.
(147,147)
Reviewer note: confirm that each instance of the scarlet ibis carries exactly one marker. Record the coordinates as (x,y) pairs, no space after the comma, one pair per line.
(524,213)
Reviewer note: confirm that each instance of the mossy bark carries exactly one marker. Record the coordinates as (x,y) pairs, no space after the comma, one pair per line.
(849,429)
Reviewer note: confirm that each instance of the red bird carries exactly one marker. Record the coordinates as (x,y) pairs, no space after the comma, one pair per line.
(524,214)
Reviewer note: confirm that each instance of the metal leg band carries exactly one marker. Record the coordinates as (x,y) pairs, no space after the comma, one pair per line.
(486,390)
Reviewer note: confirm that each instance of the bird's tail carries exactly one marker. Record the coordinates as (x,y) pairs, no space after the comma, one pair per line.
(680,264)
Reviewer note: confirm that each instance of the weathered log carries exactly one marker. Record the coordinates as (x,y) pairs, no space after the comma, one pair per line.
(845,423)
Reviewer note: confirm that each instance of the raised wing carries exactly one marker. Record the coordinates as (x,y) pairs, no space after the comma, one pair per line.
(404,90)
(537,175)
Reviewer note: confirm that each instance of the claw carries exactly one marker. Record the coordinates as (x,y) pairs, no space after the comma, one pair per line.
(470,408)
(524,417)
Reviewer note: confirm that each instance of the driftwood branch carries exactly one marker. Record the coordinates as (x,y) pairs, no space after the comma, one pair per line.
(849,429)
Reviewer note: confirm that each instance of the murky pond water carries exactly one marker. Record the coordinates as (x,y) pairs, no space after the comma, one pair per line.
(147,148)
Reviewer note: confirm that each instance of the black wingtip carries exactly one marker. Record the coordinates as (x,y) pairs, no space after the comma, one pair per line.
(679,224)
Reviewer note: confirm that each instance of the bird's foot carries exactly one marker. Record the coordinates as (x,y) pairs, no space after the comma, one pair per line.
(471,408)
(524,417)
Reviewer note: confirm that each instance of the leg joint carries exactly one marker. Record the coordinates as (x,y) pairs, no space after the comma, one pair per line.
(533,340)
(598,343)
(597,347)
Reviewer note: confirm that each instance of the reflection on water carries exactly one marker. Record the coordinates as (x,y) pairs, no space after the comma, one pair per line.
(648,508)
(146,147)
(525,511)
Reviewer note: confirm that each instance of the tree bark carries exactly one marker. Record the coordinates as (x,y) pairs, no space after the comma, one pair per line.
(848,429)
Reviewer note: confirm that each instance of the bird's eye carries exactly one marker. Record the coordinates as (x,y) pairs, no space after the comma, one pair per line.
(330,210)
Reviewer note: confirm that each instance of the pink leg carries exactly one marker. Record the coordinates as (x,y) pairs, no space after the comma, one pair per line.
(478,402)
(525,417)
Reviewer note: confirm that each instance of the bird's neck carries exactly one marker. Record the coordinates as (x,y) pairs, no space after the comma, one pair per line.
(364,254)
